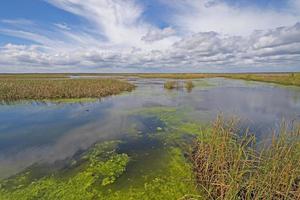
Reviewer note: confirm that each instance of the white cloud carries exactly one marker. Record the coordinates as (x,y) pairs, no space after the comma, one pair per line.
(62,26)
(206,15)
(203,35)
(157,34)
(118,21)
(17,22)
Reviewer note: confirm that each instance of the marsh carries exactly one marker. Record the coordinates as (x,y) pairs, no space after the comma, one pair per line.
(149,127)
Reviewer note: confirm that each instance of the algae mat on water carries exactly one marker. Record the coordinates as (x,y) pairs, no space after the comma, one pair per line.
(147,166)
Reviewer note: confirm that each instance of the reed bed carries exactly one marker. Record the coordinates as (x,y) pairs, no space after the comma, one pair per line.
(34,76)
(170,85)
(280,78)
(189,85)
(228,166)
(177,76)
(39,89)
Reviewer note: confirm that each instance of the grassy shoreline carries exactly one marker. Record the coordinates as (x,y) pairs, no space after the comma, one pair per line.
(284,78)
(220,165)
(41,89)
(229,166)
(278,78)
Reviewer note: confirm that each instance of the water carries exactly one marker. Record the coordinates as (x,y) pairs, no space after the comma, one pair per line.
(37,132)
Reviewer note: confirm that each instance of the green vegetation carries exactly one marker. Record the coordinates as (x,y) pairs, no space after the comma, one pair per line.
(280,78)
(173,180)
(189,85)
(34,76)
(40,89)
(171,85)
(107,172)
(165,164)
(230,167)
(176,76)
(99,167)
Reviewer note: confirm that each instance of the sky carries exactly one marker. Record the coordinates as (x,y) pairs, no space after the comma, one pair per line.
(149,36)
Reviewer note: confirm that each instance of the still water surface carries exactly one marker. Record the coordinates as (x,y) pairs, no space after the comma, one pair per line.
(45,132)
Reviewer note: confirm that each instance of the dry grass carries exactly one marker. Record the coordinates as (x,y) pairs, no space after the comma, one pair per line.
(38,89)
(230,167)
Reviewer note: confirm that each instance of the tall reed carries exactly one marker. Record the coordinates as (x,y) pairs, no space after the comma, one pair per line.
(228,166)
(171,85)
(189,85)
(22,89)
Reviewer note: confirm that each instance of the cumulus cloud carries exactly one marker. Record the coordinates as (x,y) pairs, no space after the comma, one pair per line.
(157,34)
(209,36)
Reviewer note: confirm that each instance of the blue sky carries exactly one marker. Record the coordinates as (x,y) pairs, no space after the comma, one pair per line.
(149,35)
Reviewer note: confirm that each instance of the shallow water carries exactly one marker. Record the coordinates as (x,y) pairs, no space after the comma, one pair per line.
(45,132)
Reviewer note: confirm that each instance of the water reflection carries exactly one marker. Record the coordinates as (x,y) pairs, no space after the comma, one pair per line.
(47,132)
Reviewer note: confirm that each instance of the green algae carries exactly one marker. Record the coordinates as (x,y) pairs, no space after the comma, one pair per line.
(72,100)
(168,115)
(204,83)
(157,169)
(174,181)
(102,163)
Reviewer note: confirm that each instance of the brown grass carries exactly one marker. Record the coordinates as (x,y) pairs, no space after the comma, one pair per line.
(38,89)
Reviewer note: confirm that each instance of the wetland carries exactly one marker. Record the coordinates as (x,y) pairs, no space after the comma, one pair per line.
(151,141)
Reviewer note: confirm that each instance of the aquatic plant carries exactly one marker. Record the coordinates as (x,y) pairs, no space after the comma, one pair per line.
(177,75)
(35,76)
(171,85)
(189,85)
(228,166)
(173,180)
(99,167)
(40,89)
(280,78)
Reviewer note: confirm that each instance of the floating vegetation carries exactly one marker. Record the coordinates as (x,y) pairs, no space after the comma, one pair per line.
(225,165)
(40,89)
(112,170)
(230,167)
(99,167)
